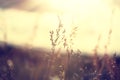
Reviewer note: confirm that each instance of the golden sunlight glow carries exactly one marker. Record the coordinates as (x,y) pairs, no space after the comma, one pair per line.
(92,17)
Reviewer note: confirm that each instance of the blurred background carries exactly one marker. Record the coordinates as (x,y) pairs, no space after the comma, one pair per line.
(28,22)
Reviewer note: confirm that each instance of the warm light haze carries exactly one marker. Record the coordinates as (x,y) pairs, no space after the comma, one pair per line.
(92,17)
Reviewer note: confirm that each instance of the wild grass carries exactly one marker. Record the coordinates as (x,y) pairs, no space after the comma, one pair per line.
(99,64)
(17,63)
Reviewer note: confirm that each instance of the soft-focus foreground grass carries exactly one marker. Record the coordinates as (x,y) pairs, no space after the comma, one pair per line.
(22,63)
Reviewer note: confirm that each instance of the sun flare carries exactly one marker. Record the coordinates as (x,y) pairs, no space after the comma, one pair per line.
(92,17)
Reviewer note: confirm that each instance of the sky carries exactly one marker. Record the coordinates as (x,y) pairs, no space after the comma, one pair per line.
(19,19)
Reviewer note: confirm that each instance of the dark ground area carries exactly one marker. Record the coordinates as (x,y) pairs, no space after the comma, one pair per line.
(17,63)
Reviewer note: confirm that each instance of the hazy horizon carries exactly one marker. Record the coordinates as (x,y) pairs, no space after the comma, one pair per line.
(92,17)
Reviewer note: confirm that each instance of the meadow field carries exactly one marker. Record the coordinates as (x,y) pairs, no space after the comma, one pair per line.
(59,40)
(22,63)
